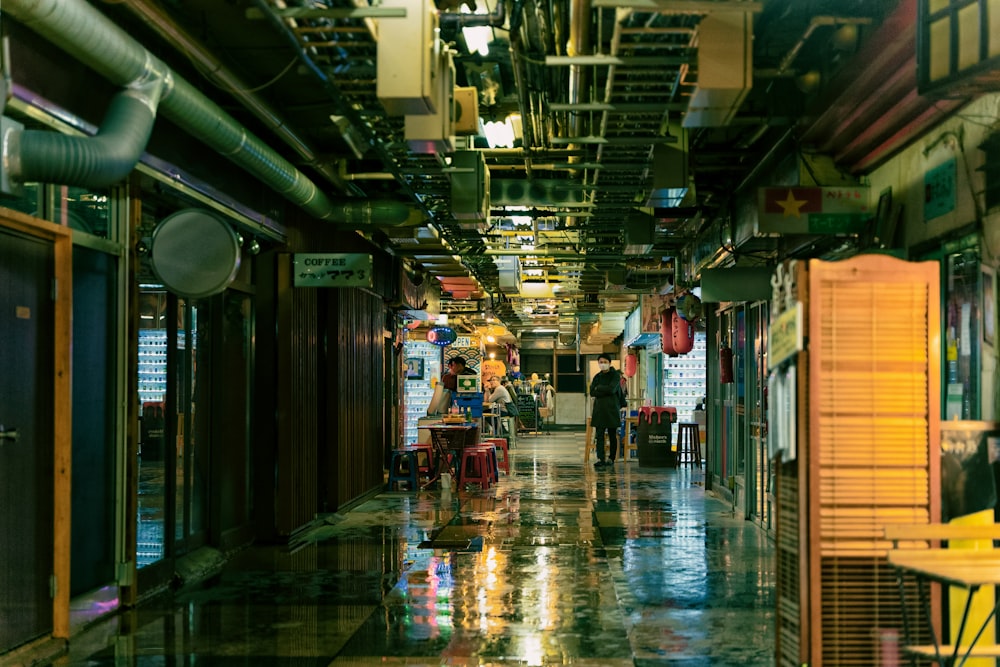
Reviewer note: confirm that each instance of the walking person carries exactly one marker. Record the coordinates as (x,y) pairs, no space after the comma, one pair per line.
(608,400)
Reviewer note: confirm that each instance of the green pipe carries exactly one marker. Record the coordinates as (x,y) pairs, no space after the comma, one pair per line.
(93,39)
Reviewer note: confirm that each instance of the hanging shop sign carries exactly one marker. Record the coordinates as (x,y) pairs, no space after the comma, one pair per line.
(813,210)
(332,270)
(441,335)
(785,336)
(493,367)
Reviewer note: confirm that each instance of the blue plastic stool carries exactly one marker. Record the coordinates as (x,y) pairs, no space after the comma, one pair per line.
(404,467)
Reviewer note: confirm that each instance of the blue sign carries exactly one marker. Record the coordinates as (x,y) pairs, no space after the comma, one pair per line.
(441,336)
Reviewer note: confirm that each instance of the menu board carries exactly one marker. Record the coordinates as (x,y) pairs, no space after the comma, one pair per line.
(529,411)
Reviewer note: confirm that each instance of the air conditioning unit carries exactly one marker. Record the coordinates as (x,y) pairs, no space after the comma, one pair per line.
(470,186)
(408,50)
(671,178)
(639,233)
(466,111)
(725,69)
(508,274)
(536,192)
(432,133)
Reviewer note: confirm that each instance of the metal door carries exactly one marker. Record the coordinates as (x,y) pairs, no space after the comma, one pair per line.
(26,441)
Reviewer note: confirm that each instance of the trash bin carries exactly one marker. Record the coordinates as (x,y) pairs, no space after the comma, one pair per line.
(655,446)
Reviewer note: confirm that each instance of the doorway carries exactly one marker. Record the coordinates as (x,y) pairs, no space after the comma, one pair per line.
(35,424)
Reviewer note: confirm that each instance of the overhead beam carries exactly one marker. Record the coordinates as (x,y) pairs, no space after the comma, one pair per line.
(332,13)
(683,6)
(651,61)
(613,141)
(618,107)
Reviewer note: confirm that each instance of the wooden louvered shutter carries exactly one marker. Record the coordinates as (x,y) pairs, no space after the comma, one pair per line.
(867,429)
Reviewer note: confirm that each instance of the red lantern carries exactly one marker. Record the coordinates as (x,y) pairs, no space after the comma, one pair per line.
(667,332)
(630,363)
(683,334)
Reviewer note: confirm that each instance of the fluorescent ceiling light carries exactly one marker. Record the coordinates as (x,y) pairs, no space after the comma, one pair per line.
(503,135)
(478,38)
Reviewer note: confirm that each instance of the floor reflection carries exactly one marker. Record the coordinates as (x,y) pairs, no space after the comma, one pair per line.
(559,564)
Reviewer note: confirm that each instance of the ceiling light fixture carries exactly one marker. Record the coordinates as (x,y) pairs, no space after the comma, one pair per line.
(503,134)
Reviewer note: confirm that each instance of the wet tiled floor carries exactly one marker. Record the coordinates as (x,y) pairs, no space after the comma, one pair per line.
(558,564)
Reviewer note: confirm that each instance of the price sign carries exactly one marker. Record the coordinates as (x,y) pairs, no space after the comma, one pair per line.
(332,270)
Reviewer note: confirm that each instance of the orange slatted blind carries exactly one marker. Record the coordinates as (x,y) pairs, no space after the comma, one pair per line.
(864,452)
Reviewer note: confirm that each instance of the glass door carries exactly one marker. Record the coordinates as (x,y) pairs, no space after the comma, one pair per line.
(963,336)
(173,471)
(191,438)
(759,500)
(151,380)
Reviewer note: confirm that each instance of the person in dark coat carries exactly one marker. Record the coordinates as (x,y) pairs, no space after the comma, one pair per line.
(606,390)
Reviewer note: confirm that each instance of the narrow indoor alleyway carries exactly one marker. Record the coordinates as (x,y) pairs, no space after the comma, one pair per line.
(558,564)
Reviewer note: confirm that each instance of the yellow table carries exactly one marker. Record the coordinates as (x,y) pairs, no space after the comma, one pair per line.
(970,569)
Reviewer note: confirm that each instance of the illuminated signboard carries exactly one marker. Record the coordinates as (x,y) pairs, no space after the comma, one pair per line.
(441,336)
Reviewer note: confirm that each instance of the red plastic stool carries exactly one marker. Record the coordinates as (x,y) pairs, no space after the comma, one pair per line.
(688,444)
(477,467)
(491,456)
(404,469)
(503,462)
(425,457)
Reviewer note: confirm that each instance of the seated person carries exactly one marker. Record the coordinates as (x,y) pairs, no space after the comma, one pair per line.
(456,367)
(498,396)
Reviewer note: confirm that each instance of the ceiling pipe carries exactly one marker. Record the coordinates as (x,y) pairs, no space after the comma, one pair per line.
(86,34)
(157,19)
(519,65)
(92,162)
(579,44)
(456,20)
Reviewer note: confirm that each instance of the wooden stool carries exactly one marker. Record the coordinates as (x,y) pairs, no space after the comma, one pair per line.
(477,466)
(588,443)
(404,467)
(500,444)
(688,444)
(628,447)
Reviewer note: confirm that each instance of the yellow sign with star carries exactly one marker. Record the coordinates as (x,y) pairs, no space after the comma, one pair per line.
(813,210)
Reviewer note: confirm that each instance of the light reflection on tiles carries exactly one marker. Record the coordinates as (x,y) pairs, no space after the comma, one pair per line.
(558,564)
